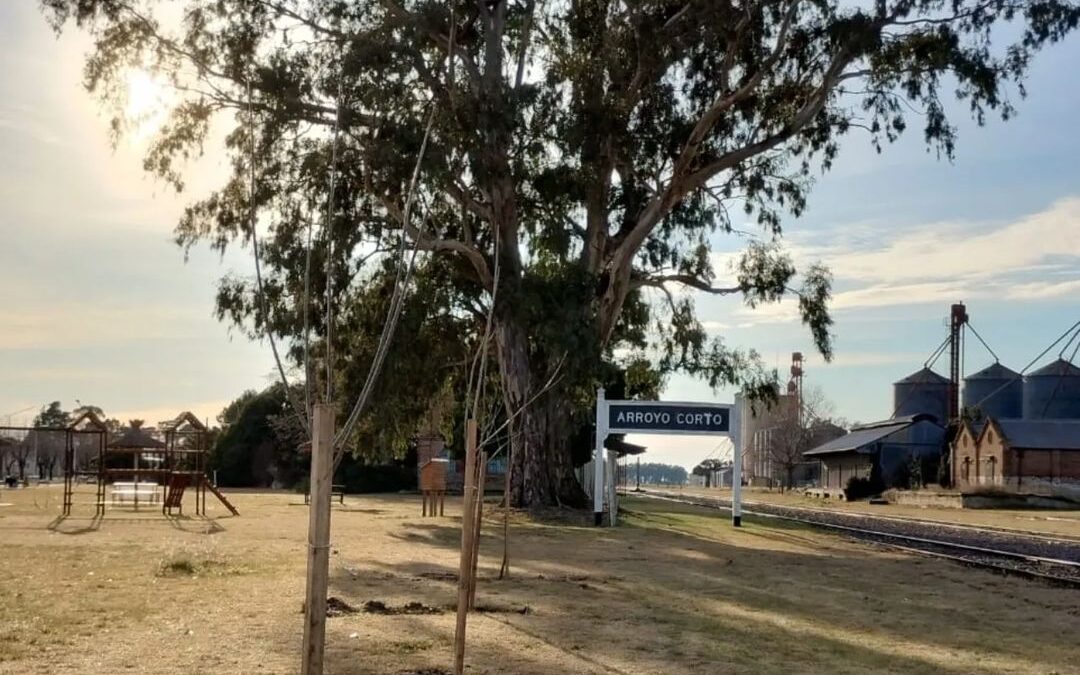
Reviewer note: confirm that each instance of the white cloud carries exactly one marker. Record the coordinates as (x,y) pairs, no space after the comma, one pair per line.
(715,326)
(1036,257)
(1044,290)
(955,250)
(845,359)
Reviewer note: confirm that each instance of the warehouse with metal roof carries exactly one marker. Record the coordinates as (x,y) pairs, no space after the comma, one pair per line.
(881,450)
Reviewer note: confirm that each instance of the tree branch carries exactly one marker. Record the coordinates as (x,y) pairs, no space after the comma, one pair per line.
(710,117)
(684,279)
(438,38)
(428,242)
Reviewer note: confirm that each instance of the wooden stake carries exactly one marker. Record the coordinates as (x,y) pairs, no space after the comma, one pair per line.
(481,471)
(318,558)
(465,566)
(504,568)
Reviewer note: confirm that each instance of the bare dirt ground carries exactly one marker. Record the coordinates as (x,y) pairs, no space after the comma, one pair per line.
(1046,522)
(674,590)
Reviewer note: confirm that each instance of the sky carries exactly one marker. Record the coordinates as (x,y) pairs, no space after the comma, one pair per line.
(100,307)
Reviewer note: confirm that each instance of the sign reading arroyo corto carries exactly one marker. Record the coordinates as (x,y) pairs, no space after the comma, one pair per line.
(668,418)
(659,417)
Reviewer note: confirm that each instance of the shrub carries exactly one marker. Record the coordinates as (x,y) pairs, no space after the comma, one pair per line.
(302,485)
(862,488)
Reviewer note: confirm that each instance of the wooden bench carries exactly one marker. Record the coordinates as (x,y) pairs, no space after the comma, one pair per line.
(335,491)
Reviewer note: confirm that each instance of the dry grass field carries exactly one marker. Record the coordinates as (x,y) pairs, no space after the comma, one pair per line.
(675,590)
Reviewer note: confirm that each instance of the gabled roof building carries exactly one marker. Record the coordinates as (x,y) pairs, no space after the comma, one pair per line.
(881,450)
(1038,456)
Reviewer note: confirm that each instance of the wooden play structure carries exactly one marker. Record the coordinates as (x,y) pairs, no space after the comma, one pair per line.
(433,485)
(137,467)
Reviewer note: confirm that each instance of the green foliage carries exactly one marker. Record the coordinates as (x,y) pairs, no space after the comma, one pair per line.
(655,473)
(707,468)
(53,416)
(252,450)
(361,476)
(862,488)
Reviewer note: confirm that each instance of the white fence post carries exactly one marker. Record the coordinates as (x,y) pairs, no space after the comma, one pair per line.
(598,457)
(736,465)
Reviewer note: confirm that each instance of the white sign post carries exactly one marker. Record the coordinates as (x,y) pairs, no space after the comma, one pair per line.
(598,457)
(667,418)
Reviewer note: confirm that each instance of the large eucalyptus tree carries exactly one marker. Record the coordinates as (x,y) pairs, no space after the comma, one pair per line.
(582,152)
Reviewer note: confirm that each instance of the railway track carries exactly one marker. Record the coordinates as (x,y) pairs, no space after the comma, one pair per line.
(1038,557)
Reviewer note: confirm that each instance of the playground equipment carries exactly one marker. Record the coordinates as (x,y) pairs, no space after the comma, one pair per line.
(139,466)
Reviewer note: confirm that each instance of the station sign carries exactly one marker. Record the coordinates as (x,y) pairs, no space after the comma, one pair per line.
(654,417)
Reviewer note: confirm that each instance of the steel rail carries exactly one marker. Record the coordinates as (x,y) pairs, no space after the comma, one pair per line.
(923,541)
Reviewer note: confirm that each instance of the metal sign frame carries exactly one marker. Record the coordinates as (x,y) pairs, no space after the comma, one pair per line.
(603,428)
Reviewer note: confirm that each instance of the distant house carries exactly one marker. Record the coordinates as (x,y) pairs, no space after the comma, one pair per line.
(1039,456)
(878,450)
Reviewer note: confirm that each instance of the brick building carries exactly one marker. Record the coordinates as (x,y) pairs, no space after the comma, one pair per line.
(1039,456)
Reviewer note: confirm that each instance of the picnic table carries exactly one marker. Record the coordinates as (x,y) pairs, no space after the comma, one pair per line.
(136,492)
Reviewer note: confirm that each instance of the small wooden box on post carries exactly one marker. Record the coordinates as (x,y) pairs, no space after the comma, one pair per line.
(431,470)
(433,486)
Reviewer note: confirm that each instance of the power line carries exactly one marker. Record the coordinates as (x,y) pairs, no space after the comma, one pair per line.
(1020,375)
(979,337)
(328,232)
(260,293)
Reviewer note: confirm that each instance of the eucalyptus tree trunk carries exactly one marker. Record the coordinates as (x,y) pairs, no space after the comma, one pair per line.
(542,472)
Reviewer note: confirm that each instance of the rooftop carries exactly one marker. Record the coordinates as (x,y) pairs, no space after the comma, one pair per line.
(859,437)
(994,371)
(1057,369)
(135,438)
(924,376)
(1041,434)
(865,434)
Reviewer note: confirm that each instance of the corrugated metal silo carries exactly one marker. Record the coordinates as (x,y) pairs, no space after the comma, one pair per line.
(922,392)
(1053,392)
(996,390)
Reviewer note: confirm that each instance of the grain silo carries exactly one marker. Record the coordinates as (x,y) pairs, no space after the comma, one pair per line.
(922,392)
(996,390)
(1053,392)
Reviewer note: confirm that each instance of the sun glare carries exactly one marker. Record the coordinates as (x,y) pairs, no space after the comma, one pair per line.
(148,102)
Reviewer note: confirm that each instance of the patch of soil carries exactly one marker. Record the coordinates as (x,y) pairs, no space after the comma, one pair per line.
(338,607)
(380,607)
(502,609)
(426,671)
(438,576)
